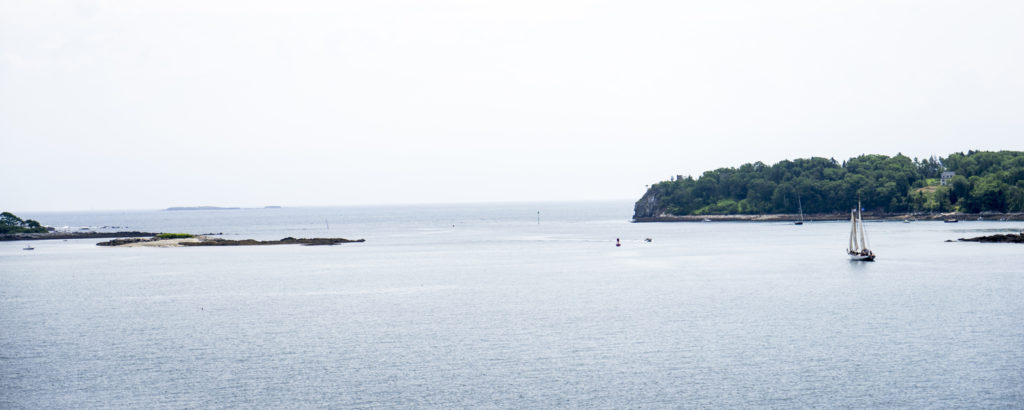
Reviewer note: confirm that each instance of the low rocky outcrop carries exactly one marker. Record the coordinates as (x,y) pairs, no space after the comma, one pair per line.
(284,241)
(73,235)
(123,241)
(201,240)
(999,238)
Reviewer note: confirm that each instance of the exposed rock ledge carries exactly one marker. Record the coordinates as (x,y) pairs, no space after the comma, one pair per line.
(206,241)
(999,238)
(72,235)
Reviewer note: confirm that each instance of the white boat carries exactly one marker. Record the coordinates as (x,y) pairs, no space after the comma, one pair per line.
(27,248)
(858,248)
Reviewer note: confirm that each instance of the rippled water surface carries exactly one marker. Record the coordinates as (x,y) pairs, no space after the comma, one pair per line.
(481,306)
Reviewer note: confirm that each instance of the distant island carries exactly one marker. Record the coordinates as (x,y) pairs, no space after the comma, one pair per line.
(979,183)
(214,208)
(200,208)
(13,228)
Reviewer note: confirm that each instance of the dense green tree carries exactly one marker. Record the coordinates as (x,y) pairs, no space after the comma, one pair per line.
(938,201)
(9,219)
(11,223)
(984,181)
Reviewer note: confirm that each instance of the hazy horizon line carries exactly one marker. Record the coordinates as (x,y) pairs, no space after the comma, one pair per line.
(393,204)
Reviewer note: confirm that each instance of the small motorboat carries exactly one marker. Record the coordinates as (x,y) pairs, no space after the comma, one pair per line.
(27,248)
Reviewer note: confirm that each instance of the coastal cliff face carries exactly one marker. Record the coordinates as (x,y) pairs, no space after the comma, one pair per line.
(649,205)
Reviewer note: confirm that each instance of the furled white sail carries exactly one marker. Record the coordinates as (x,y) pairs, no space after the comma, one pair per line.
(853,233)
(860,221)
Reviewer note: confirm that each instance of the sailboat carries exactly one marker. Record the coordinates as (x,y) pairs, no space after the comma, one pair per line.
(858,249)
(801,207)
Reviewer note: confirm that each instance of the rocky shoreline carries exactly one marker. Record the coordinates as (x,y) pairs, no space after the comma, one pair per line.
(998,238)
(201,240)
(73,235)
(283,241)
(835,217)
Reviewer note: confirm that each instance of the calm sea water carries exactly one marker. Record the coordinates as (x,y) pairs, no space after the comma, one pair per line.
(481,306)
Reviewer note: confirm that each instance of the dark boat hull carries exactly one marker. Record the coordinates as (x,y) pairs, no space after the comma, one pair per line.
(862,258)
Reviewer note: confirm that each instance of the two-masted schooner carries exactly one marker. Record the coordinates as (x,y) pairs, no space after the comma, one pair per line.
(858,249)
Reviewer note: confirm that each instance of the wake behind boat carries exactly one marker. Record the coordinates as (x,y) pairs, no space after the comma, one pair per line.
(858,248)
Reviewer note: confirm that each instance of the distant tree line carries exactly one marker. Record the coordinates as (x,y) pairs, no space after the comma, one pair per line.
(10,223)
(984,181)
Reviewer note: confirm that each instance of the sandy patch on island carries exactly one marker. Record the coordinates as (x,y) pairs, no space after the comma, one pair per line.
(164,243)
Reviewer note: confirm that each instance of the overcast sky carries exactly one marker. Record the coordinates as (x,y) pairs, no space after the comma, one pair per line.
(137,105)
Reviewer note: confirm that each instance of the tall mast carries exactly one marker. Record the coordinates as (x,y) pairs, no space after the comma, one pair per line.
(860,220)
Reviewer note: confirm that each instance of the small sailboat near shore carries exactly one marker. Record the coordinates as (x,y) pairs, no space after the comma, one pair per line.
(858,248)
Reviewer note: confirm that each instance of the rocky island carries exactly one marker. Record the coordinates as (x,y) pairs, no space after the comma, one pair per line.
(41,236)
(13,228)
(998,238)
(182,240)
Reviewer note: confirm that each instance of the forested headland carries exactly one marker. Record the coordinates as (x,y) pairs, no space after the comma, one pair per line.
(982,181)
(11,223)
